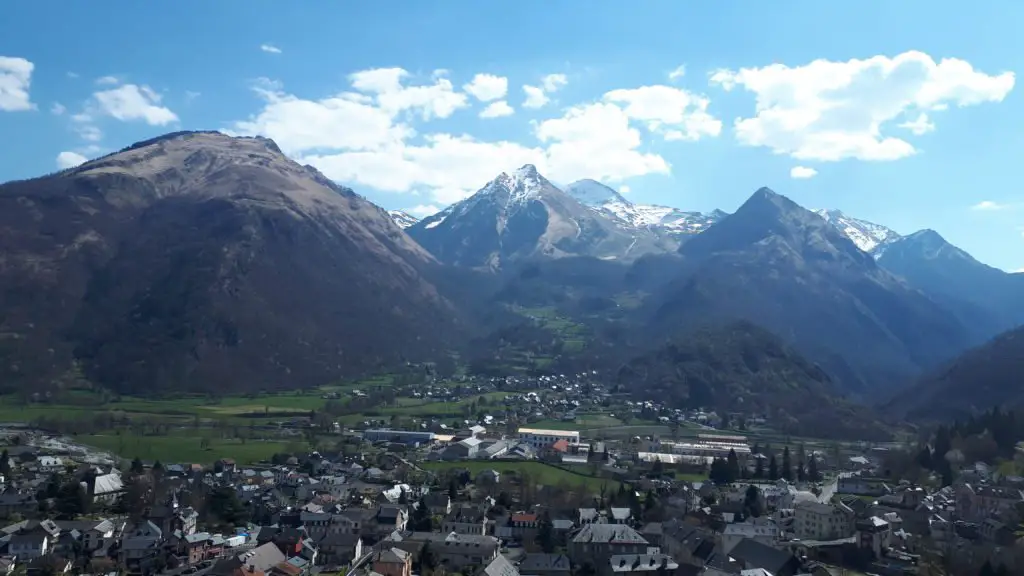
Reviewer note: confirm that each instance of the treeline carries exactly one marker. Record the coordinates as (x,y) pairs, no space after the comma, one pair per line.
(728,470)
(988,437)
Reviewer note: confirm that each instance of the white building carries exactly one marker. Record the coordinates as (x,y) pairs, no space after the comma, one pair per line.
(816,521)
(538,438)
(708,446)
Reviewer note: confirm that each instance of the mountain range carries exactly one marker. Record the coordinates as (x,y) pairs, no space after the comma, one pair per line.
(198,261)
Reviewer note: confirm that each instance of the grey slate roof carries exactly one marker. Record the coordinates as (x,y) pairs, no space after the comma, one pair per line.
(500,566)
(609,533)
(540,563)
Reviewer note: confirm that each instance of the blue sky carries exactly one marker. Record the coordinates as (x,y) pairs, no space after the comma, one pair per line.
(909,115)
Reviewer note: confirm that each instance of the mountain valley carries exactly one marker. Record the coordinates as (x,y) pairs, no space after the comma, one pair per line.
(197,260)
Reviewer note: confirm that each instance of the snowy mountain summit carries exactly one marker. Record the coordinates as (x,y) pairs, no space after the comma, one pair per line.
(663,219)
(521,215)
(868,236)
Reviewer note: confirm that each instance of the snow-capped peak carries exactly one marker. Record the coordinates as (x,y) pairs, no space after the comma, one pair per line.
(593,193)
(608,202)
(868,236)
(521,186)
(403,219)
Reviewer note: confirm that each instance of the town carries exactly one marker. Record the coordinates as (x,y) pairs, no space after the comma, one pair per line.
(680,492)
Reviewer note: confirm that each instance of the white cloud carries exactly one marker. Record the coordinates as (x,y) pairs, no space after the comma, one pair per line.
(132,102)
(68,159)
(437,100)
(595,141)
(366,137)
(988,206)
(487,87)
(15,80)
(624,189)
(553,82)
(802,172)
(831,111)
(342,122)
(919,126)
(57,109)
(678,73)
(535,97)
(191,95)
(270,48)
(497,110)
(448,167)
(72,75)
(108,80)
(84,124)
(678,114)
(423,210)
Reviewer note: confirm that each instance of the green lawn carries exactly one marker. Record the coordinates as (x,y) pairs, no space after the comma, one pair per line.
(186,449)
(540,472)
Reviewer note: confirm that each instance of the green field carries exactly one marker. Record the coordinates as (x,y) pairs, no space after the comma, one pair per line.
(583,421)
(540,472)
(185,448)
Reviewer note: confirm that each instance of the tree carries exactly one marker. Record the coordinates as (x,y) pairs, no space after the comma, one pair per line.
(137,466)
(546,533)
(5,465)
(752,501)
(650,504)
(773,469)
(428,560)
(226,506)
(72,501)
(420,518)
(657,469)
(453,489)
(801,472)
(759,468)
(719,473)
(733,464)
(787,465)
(812,470)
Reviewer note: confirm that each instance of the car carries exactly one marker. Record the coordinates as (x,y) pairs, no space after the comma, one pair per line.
(191,570)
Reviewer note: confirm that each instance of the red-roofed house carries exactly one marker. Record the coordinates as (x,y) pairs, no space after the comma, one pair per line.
(555,450)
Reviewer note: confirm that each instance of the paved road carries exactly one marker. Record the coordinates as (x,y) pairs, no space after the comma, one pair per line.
(828,490)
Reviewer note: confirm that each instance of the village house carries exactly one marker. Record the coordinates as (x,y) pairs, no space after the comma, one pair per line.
(595,544)
(340,549)
(816,521)
(455,551)
(974,503)
(466,519)
(764,532)
(392,562)
(140,546)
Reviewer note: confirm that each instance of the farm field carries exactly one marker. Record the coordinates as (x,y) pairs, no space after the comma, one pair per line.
(186,448)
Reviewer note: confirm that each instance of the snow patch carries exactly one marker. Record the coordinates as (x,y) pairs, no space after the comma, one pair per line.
(868,236)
